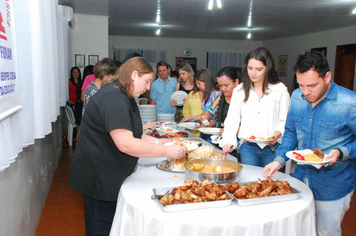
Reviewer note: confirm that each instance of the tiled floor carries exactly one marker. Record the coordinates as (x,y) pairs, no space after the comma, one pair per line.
(63,213)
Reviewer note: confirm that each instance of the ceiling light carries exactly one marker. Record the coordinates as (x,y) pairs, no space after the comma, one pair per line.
(158,31)
(158,18)
(218,2)
(354,11)
(249,35)
(210,6)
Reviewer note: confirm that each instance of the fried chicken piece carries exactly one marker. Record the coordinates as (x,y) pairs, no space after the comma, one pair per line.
(251,195)
(319,153)
(182,188)
(265,192)
(232,187)
(185,197)
(206,183)
(223,197)
(255,187)
(282,184)
(240,193)
(177,196)
(266,184)
(190,182)
(284,191)
(199,191)
(164,201)
(210,196)
(222,187)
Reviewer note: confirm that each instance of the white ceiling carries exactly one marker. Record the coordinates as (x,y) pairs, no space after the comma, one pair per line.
(271,19)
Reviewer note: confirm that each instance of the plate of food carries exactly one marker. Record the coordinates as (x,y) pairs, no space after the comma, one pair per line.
(166,130)
(308,157)
(179,96)
(177,135)
(188,125)
(210,130)
(259,139)
(191,145)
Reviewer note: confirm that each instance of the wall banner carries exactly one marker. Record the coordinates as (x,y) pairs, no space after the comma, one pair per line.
(8,71)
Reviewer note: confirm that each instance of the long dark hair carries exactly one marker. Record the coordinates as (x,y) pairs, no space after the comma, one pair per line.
(206,76)
(263,55)
(71,75)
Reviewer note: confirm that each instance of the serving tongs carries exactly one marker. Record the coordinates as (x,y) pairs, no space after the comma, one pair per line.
(159,196)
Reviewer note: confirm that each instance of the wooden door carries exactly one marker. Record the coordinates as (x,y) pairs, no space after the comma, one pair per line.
(345,65)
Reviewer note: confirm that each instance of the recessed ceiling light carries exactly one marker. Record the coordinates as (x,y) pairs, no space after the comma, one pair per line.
(354,11)
(210,6)
(158,31)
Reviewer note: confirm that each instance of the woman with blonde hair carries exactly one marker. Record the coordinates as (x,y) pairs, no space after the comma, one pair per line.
(107,150)
(186,84)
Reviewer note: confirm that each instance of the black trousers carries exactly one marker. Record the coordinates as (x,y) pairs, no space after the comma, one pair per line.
(99,216)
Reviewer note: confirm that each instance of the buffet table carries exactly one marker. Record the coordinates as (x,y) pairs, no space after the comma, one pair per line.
(137,214)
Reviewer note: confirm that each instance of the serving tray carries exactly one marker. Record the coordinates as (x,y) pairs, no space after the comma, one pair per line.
(263,200)
(188,206)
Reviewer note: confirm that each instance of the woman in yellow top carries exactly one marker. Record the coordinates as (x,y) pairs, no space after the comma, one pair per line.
(203,95)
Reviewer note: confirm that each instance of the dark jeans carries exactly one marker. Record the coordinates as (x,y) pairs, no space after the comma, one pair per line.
(99,216)
(252,154)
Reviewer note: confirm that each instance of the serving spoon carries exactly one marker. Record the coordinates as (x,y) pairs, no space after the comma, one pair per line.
(216,167)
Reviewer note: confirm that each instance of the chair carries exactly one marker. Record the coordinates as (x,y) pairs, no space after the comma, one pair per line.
(71,124)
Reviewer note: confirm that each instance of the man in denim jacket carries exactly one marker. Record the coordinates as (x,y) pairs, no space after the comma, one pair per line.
(322,115)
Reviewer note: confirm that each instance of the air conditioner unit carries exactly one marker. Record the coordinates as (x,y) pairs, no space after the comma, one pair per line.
(67,13)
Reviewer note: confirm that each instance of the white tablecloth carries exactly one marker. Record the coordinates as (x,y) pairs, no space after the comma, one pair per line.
(137,214)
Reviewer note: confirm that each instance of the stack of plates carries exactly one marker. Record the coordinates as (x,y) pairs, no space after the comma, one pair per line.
(147,112)
(165,117)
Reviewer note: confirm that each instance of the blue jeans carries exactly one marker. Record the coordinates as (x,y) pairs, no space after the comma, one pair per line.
(206,137)
(329,215)
(252,154)
(99,216)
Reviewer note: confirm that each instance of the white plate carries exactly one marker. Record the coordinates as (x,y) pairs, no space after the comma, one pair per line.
(190,145)
(162,131)
(179,96)
(210,130)
(147,107)
(257,141)
(215,138)
(290,156)
(188,125)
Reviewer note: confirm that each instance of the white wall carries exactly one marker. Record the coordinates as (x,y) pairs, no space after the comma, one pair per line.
(293,46)
(176,46)
(89,36)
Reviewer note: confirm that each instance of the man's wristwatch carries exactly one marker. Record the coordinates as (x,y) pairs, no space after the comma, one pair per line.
(341,154)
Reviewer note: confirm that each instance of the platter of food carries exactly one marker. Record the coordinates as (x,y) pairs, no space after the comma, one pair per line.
(188,197)
(308,157)
(261,192)
(210,130)
(188,125)
(177,135)
(258,139)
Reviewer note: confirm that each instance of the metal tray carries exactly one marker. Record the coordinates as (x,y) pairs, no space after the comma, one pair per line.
(164,165)
(188,206)
(264,200)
